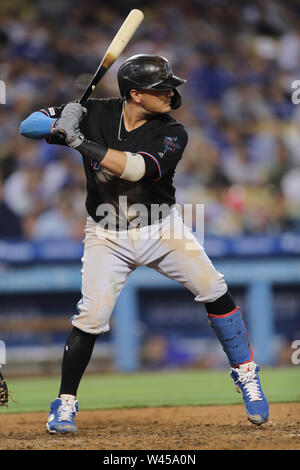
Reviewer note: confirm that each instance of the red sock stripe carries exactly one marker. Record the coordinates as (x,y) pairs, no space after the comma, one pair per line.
(225,314)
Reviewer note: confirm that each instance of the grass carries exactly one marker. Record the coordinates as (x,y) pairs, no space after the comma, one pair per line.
(146,389)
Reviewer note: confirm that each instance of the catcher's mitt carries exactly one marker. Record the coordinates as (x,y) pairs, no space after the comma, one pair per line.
(3,391)
(5,394)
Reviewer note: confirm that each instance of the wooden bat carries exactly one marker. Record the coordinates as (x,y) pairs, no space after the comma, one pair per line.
(118,44)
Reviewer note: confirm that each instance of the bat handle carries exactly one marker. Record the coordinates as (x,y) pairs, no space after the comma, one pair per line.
(98,75)
(85,96)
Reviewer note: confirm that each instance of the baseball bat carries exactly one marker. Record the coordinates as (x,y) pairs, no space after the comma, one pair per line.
(116,47)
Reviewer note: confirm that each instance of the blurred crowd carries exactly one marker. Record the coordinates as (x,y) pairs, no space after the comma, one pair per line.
(240,59)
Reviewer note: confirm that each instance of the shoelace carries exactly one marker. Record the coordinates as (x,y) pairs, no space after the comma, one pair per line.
(65,411)
(251,384)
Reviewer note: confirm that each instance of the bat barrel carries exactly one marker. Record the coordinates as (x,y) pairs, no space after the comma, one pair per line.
(116,47)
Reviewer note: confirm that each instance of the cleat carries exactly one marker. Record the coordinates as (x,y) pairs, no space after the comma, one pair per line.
(61,416)
(247,383)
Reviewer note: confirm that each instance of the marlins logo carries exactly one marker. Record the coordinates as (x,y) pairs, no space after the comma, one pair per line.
(170,144)
(95,165)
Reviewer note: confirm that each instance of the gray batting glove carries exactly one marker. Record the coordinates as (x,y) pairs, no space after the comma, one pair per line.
(68,124)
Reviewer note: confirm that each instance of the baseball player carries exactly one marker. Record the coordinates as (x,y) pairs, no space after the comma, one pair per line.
(130,148)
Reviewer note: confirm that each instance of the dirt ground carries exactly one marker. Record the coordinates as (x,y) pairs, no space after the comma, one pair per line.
(174,428)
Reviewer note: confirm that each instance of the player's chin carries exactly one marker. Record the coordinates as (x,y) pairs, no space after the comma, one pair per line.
(166,108)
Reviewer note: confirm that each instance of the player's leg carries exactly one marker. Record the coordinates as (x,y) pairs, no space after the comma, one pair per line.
(227,322)
(104,273)
(185,261)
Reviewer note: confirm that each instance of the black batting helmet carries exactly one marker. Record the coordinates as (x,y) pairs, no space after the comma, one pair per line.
(149,72)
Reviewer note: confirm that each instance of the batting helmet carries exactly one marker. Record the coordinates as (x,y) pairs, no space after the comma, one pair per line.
(149,72)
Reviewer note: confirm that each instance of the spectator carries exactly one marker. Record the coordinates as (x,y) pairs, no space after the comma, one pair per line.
(59,222)
(239,58)
(11,224)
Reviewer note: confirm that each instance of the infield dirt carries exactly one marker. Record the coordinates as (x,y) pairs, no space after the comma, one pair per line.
(174,428)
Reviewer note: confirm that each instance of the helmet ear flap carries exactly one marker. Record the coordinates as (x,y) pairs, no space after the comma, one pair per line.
(176,99)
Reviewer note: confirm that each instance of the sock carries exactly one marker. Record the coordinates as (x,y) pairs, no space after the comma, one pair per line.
(77,354)
(66,397)
(224,304)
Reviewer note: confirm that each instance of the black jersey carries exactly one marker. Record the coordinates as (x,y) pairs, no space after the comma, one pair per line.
(161,141)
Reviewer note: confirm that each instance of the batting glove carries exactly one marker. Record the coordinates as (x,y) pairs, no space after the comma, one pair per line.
(67,125)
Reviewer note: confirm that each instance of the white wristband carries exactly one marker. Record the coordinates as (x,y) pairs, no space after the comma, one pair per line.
(135,167)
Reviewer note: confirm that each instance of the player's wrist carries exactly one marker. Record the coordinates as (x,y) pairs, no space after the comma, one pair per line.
(52,127)
(92,150)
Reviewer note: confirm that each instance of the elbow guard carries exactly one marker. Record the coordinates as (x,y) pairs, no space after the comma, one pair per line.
(135,167)
(37,126)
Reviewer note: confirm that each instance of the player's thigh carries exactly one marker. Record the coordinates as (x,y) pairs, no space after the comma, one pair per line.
(104,274)
(186,262)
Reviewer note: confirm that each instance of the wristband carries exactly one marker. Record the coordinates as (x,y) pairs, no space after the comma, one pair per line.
(92,150)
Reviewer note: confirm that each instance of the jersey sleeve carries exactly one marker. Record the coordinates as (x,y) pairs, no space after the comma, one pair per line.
(53,112)
(164,152)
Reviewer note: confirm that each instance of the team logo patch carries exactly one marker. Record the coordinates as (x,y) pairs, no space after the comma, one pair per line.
(95,165)
(171,144)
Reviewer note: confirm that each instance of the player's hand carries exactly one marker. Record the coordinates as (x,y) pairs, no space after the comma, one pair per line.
(67,126)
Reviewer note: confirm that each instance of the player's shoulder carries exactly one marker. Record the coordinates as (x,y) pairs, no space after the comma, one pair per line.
(169,124)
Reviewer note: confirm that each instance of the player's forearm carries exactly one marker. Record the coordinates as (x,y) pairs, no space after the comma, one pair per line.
(37,126)
(114,161)
(126,165)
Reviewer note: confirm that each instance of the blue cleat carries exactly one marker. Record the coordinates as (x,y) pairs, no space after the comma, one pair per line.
(61,416)
(247,383)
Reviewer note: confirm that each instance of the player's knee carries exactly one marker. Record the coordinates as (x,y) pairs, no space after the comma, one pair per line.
(212,290)
(89,326)
(94,329)
(92,317)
